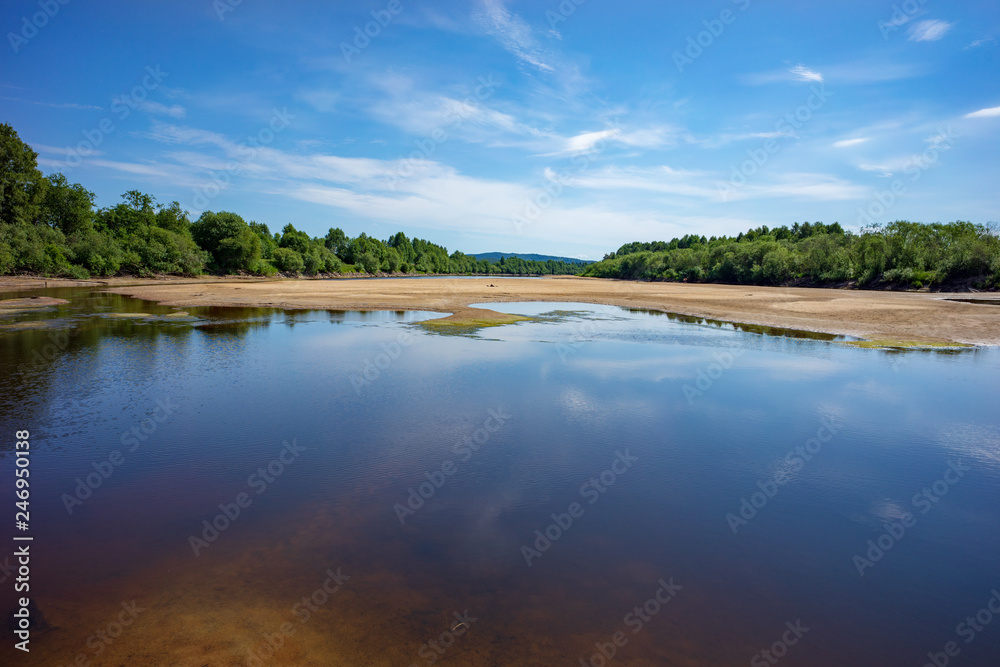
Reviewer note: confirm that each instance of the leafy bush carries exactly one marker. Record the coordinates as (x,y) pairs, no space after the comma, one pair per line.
(288,260)
(263,267)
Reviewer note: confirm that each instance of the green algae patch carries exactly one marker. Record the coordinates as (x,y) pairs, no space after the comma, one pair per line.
(894,344)
(29,304)
(470,320)
(16,326)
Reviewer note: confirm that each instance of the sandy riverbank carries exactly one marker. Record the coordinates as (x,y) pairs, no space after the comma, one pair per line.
(911,316)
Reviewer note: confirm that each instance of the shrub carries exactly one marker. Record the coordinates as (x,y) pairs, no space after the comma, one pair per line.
(288,260)
(262,267)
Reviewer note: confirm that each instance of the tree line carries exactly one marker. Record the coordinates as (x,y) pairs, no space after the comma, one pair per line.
(898,254)
(50,226)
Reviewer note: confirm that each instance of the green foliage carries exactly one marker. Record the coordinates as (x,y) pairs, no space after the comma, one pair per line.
(335,240)
(175,219)
(902,253)
(231,243)
(22,187)
(288,260)
(268,243)
(67,207)
(263,267)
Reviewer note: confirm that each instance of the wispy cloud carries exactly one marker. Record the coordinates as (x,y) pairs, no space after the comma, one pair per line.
(803,73)
(986,41)
(156,108)
(799,73)
(844,143)
(587,140)
(929,31)
(512,32)
(56,150)
(62,105)
(654,136)
(984,113)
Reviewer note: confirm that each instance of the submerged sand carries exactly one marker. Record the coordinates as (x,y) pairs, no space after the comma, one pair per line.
(872,315)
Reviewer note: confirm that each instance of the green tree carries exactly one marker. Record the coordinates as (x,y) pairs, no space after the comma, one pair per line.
(69,208)
(288,260)
(296,240)
(230,241)
(336,240)
(173,218)
(21,184)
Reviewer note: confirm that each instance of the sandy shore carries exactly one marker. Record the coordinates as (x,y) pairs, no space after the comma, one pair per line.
(906,316)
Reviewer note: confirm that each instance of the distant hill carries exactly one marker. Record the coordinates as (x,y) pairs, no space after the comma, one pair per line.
(495,256)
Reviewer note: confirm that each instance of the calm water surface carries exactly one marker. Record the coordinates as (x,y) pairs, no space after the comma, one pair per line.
(695,488)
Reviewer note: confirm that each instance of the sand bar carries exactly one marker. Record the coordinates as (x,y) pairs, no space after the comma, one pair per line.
(873,315)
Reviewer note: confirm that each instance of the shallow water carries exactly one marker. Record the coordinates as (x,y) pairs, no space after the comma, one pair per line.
(656,428)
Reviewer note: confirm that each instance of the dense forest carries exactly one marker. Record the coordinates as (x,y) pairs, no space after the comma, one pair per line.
(50,226)
(899,254)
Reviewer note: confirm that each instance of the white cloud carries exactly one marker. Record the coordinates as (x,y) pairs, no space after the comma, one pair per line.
(986,41)
(803,73)
(797,73)
(844,143)
(885,170)
(42,148)
(661,179)
(699,184)
(984,113)
(815,187)
(61,105)
(174,111)
(513,33)
(929,31)
(587,140)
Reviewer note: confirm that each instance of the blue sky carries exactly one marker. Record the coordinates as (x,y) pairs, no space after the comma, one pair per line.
(551,127)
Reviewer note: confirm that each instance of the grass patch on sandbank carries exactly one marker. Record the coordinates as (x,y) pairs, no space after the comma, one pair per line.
(462,325)
(896,344)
